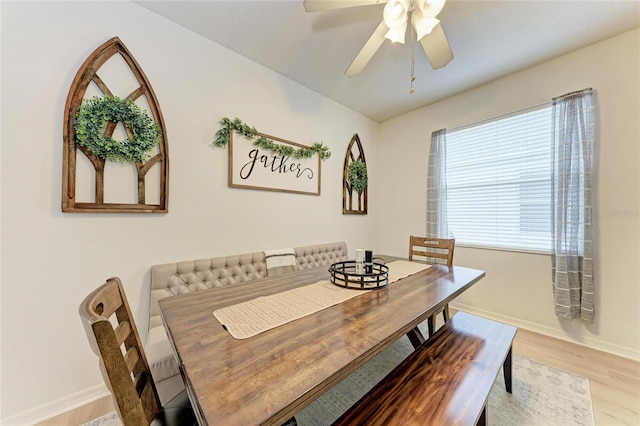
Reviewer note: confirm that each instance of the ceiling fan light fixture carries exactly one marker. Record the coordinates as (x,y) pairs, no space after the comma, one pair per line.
(420,15)
(395,18)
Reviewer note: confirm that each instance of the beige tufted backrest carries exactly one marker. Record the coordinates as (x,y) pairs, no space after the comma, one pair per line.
(320,255)
(171,279)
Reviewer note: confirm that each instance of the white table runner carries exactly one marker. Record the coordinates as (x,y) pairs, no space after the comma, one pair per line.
(255,316)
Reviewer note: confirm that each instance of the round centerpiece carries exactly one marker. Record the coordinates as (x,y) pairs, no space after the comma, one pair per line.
(345,274)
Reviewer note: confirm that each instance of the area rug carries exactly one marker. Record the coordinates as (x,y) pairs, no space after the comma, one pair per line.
(542,395)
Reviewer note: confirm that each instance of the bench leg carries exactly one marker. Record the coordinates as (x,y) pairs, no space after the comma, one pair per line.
(416,338)
(507,371)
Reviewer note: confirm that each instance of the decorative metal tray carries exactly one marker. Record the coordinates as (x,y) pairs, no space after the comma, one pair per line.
(344,274)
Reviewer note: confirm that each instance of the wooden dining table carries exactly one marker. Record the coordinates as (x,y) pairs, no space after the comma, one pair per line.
(268,378)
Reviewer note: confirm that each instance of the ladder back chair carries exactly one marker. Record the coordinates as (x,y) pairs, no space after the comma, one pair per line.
(434,250)
(114,337)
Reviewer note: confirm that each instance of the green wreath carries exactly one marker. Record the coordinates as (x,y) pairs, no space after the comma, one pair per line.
(357,175)
(91,122)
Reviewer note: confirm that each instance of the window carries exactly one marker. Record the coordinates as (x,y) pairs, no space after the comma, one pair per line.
(498,176)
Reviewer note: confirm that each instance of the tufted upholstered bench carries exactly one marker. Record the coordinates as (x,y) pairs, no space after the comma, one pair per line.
(171,279)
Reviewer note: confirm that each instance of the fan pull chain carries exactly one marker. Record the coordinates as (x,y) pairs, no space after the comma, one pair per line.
(413,50)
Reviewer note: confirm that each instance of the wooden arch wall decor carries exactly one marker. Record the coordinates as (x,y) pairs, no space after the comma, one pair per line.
(349,205)
(87,74)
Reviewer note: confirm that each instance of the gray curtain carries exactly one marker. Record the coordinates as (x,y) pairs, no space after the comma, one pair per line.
(437,226)
(571,205)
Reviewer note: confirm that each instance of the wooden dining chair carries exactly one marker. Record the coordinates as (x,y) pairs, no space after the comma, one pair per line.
(114,338)
(433,250)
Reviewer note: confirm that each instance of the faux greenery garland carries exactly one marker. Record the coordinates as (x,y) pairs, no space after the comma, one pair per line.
(91,121)
(223,136)
(357,175)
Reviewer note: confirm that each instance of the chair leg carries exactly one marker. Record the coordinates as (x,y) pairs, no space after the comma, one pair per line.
(445,312)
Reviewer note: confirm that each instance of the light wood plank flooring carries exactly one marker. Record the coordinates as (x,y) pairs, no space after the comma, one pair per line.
(614,381)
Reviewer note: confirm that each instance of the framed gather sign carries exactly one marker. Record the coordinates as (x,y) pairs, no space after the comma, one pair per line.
(257,168)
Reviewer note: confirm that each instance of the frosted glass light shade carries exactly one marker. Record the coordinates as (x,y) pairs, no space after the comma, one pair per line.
(430,8)
(423,24)
(395,17)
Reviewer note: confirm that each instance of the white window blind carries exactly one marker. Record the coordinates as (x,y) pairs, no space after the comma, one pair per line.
(499,181)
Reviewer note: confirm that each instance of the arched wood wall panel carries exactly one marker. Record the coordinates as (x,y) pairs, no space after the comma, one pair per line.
(87,74)
(353,202)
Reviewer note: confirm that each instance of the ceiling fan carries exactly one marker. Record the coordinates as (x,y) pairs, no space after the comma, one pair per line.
(422,15)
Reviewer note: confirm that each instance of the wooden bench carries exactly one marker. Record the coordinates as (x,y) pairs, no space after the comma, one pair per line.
(445,381)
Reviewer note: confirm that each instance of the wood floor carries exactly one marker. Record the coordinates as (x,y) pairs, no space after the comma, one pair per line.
(614,381)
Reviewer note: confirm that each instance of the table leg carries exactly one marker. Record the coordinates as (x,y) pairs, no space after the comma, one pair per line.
(482,421)
(506,367)
(415,337)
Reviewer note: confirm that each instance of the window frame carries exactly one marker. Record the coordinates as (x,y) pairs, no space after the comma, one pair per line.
(535,249)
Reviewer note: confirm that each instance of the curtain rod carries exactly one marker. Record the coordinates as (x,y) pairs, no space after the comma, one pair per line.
(499,116)
(570,94)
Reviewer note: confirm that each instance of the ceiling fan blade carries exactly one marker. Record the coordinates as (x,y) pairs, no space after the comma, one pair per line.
(316,5)
(368,50)
(437,47)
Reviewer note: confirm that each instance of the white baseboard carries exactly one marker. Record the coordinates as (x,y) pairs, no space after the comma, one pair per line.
(54,408)
(586,341)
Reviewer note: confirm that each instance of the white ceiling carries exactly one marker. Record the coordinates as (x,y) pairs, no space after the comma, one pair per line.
(490,39)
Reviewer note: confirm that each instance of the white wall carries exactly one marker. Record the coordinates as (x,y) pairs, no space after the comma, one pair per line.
(517,287)
(51,260)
